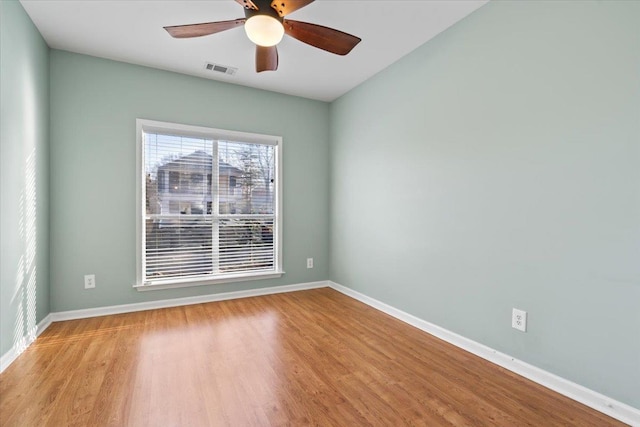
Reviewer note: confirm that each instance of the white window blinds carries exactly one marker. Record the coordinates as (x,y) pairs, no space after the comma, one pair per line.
(210,207)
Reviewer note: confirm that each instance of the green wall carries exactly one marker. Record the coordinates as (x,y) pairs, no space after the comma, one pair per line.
(94,106)
(24,170)
(498,166)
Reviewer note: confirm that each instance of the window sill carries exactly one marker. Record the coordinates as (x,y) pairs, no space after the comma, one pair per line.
(187,283)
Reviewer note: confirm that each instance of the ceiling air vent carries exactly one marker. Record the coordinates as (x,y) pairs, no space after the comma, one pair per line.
(220,68)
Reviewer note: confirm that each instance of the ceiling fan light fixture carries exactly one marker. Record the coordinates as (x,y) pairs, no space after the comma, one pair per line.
(264,30)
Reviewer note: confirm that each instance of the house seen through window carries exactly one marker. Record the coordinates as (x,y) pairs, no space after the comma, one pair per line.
(210,202)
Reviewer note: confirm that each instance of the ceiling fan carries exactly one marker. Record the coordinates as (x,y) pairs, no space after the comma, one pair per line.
(265,26)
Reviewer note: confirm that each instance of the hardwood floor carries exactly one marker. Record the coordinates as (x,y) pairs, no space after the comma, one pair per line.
(304,358)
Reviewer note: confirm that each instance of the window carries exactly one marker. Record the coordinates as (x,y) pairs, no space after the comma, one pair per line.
(209,205)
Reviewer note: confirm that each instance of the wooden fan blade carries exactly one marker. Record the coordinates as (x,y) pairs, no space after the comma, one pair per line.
(204,29)
(324,38)
(285,7)
(247,4)
(266,58)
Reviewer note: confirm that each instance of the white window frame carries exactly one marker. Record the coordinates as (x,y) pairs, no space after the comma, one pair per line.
(145,125)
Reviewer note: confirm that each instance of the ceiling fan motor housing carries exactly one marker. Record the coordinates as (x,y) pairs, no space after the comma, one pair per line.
(264,8)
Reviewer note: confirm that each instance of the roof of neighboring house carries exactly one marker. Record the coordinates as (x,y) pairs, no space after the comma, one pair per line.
(199,159)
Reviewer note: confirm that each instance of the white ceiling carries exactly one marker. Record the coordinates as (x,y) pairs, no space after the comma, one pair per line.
(131,31)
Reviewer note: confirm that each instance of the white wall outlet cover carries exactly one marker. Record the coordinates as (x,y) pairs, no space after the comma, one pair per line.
(89,281)
(519,320)
(309,262)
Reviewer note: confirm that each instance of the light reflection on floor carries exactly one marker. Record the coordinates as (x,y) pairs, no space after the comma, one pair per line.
(221,349)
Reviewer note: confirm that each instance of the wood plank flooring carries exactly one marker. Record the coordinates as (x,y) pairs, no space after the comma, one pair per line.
(304,358)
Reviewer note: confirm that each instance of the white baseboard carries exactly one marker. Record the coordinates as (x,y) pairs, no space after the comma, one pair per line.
(18,348)
(176,302)
(588,397)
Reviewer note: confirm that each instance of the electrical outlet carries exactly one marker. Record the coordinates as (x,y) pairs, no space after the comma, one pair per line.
(519,320)
(309,262)
(89,281)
